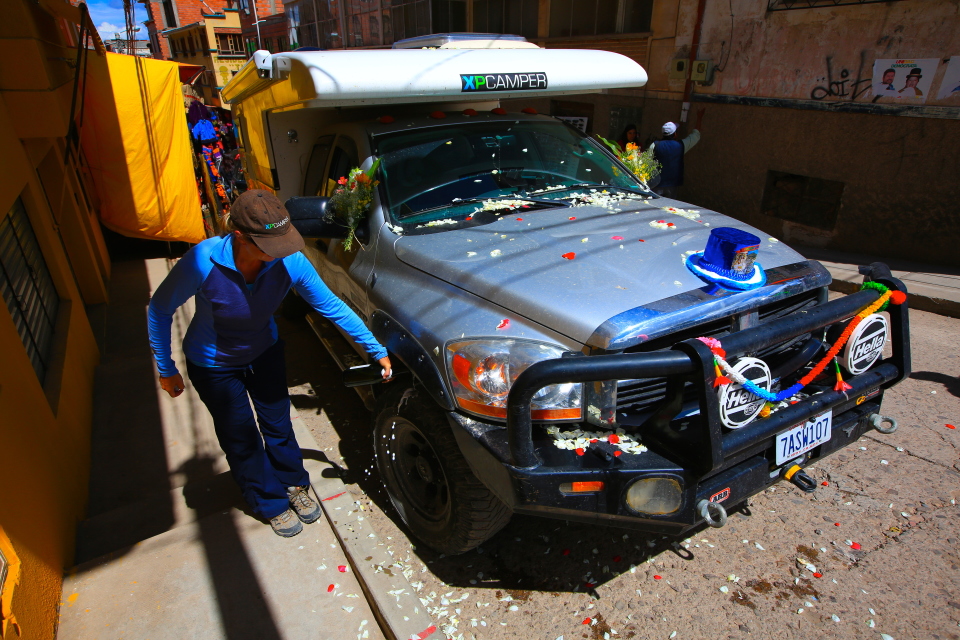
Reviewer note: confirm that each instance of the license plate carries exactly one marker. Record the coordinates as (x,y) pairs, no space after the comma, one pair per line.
(804,437)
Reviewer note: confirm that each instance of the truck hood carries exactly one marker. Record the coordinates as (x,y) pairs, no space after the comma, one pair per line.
(597,275)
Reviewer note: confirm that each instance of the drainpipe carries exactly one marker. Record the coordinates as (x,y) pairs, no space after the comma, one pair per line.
(694,52)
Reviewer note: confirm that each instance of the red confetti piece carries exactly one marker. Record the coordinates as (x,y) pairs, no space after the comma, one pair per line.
(342,568)
(587,621)
(572,218)
(855,546)
(504,324)
(616,558)
(817,575)
(950,426)
(469,218)
(616,237)
(836,524)
(330,588)
(594,440)
(613,438)
(658,577)
(580,451)
(519,219)
(423,635)
(589,585)
(617,454)
(641,240)
(569,256)
(524,206)
(566,552)
(825,483)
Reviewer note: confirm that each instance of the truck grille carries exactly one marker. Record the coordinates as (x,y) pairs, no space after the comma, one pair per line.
(636,396)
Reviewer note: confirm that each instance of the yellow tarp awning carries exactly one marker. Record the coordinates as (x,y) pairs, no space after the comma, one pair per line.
(135,138)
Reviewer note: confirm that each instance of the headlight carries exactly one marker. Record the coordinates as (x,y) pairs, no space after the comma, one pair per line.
(656,496)
(482,372)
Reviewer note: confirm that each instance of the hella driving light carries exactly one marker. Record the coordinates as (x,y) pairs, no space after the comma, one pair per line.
(655,496)
(482,372)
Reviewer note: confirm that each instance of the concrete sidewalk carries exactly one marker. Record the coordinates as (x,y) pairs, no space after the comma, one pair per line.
(169,549)
(931,288)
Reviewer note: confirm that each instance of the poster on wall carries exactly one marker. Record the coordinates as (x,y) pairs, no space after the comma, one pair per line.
(903,79)
(950,85)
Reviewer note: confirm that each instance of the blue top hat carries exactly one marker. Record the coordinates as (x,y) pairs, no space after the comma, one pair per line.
(729,260)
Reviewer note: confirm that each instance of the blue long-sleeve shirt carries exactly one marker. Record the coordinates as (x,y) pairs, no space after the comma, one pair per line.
(233,323)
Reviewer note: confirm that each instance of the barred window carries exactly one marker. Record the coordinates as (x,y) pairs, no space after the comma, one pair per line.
(27,287)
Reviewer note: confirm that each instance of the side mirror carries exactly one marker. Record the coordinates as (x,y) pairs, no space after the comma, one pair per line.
(308,216)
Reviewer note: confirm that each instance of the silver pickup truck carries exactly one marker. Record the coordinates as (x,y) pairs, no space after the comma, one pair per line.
(537,299)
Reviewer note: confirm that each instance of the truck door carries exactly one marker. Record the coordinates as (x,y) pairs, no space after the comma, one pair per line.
(347,269)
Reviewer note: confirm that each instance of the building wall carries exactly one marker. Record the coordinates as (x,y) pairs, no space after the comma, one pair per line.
(45,430)
(824,122)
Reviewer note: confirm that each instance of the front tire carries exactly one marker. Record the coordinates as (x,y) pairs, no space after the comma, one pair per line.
(427,478)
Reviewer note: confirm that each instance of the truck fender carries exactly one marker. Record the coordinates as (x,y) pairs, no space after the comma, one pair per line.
(400,343)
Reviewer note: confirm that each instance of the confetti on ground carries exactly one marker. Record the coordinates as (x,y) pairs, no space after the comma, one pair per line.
(658,577)
(825,483)
(566,552)
(835,618)
(616,237)
(569,256)
(329,588)
(855,546)
(503,324)
(342,568)
(817,574)
(950,426)
(836,524)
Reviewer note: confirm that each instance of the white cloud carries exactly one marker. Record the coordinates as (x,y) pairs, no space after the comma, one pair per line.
(108,30)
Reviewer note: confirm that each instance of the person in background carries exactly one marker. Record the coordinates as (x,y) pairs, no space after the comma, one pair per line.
(234,355)
(669,153)
(629,135)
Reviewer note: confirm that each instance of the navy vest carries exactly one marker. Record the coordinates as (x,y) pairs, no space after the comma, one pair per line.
(669,153)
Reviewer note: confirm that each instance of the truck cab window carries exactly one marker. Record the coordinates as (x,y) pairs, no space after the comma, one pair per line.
(313,176)
(344,158)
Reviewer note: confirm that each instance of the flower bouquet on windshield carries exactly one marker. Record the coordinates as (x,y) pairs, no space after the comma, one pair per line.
(641,163)
(351,200)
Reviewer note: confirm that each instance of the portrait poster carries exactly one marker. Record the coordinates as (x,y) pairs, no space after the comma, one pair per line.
(903,79)
(950,85)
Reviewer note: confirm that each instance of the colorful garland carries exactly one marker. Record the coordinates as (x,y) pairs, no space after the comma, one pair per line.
(721,366)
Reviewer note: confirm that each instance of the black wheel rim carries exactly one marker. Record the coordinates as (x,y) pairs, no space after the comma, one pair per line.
(417,472)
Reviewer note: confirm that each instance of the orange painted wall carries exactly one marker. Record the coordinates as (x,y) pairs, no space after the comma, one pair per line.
(45,428)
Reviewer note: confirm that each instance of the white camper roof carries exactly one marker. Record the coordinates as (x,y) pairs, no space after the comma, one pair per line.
(383,76)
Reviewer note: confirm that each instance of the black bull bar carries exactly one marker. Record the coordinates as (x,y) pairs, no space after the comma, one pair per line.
(706,448)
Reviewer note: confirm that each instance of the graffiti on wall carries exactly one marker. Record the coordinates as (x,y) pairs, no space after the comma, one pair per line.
(840,84)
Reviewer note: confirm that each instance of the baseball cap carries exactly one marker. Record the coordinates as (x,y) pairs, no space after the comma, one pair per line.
(669,129)
(261,216)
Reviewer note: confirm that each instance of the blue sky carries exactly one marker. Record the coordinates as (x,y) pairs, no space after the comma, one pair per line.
(108,16)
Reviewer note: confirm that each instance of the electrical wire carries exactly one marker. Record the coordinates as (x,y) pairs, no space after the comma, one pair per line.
(723,65)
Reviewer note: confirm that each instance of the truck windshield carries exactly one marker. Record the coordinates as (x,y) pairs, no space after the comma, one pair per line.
(447,172)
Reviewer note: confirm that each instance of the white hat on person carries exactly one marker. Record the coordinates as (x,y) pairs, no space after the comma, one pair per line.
(669,129)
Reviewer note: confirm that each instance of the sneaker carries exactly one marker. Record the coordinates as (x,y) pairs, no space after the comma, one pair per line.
(307,510)
(286,524)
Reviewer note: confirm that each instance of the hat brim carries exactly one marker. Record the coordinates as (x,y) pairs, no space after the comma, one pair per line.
(279,246)
(756,280)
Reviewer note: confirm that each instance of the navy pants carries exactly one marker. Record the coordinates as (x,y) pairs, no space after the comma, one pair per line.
(263,461)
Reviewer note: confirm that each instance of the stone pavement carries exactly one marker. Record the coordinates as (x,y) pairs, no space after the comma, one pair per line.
(168,549)
(932,288)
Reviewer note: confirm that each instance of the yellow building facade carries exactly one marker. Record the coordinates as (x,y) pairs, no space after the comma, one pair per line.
(53,262)
(213,43)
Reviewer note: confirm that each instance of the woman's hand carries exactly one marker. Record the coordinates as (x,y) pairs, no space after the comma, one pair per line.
(174,384)
(387,372)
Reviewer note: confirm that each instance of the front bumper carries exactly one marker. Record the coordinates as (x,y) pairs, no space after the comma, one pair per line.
(524,468)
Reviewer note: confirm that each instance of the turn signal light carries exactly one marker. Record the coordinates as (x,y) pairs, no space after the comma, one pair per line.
(593,486)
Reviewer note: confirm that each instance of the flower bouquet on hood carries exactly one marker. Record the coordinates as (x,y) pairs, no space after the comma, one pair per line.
(641,163)
(351,200)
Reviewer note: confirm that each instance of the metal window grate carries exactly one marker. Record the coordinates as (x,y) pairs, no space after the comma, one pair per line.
(27,287)
(787,5)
